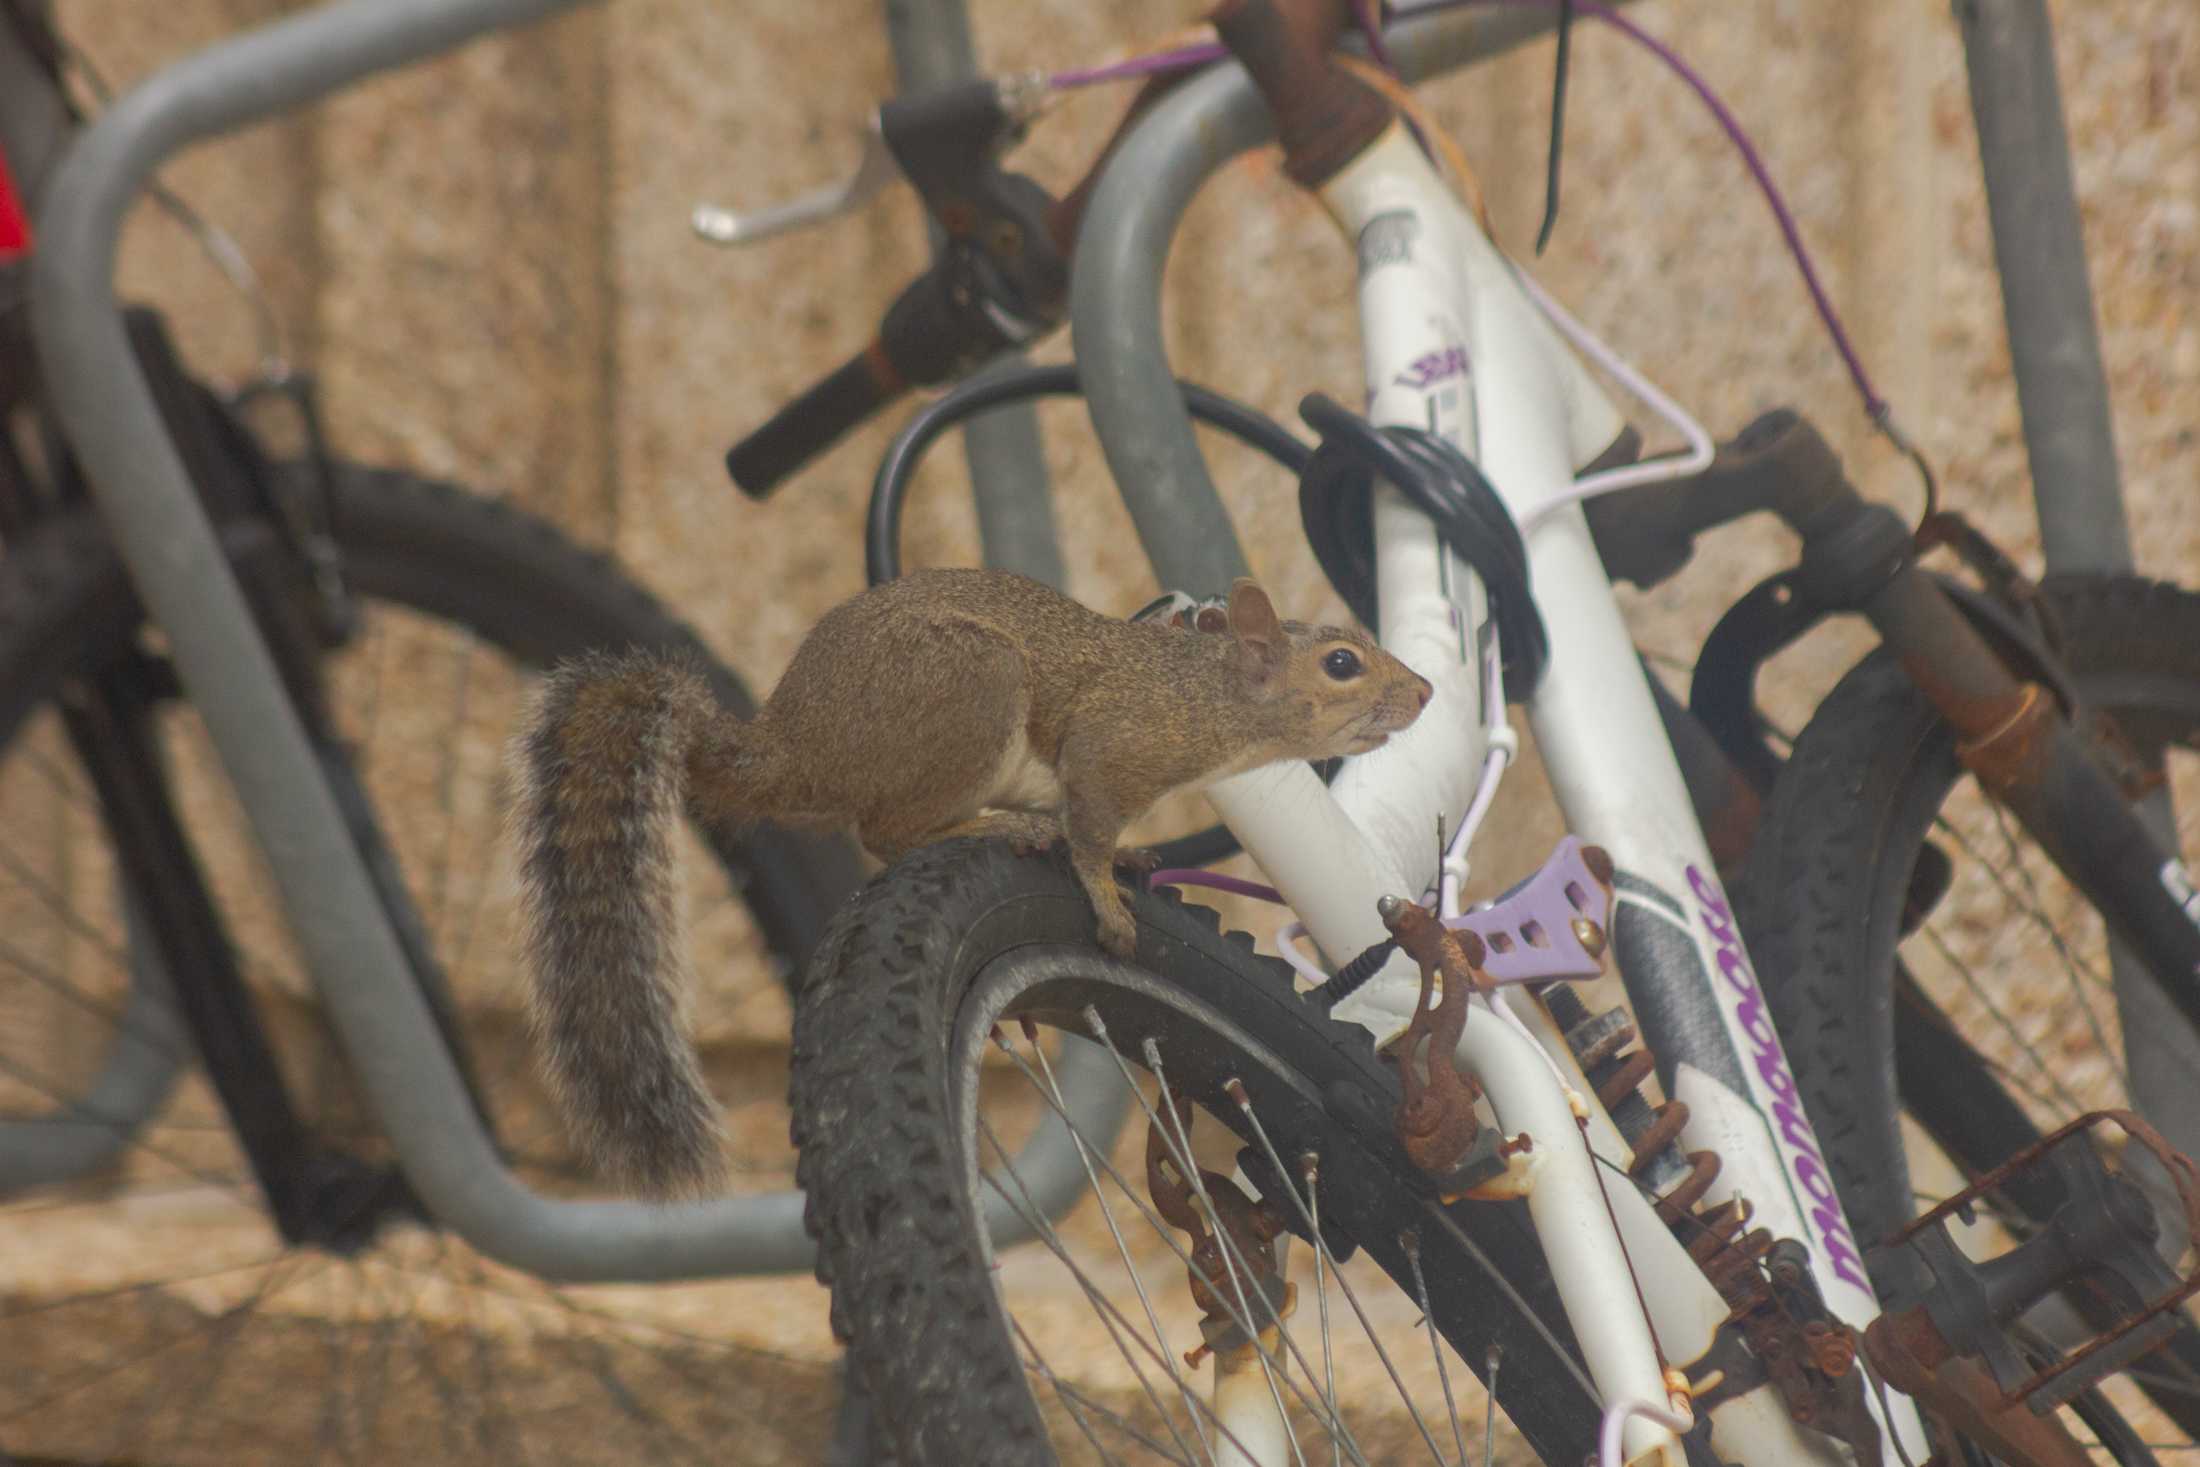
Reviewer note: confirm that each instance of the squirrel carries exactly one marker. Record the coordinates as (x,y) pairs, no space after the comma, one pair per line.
(944,703)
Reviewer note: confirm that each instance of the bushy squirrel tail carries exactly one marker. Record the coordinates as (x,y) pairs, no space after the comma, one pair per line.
(602,766)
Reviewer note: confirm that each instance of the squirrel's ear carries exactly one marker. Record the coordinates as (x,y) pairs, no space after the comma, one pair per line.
(1253,622)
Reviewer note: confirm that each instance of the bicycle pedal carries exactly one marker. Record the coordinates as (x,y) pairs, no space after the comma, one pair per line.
(2098,1249)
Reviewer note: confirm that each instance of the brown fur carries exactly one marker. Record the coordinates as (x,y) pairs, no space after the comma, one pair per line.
(949,702)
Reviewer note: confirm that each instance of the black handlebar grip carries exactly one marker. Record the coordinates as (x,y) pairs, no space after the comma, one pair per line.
(814,422)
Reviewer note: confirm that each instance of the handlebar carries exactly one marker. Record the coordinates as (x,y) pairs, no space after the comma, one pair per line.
(945,324)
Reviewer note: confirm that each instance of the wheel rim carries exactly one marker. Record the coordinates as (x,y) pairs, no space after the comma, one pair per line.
(1100,1311)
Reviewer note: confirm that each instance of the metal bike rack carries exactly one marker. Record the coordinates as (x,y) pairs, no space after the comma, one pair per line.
(1008,470)
(2069,437)
(144,494)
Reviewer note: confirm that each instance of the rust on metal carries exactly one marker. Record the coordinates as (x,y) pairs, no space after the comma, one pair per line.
(1664,1130)
(2007,749)
(1703,1170)
(1730,820)
(1621,1083)
(1325,117)
(1910,1355)
(1436,1120)
(2136,775)
(1920,1339)
(1251,1228)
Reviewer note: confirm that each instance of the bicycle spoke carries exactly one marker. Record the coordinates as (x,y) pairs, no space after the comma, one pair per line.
(2036,910)
(59,904)
(1344,1286)
(75,1108)
(1411,1243)
(85,1379)
(229,1328)
(1111,1318)
(1071,1398)
(1311,1173)
(1495,1358)
(1166,1234)
(1232,1264)
(1035,1218)
(2001,1018)
(1107,1213)
(2002,884)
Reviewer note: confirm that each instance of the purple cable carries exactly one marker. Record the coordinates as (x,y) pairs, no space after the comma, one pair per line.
(1181,59)
(1191,876)
(1371,25)
(1187,56)
(1874,404)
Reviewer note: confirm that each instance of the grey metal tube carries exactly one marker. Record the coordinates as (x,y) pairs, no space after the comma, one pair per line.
(1008,471)
(1115,290)
(145,495)
(2039,247)
(2069,435)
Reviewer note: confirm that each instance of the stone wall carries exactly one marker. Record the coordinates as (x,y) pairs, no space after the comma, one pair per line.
(488,262)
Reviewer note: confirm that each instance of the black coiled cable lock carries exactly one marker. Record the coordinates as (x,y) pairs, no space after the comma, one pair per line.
(1444,484)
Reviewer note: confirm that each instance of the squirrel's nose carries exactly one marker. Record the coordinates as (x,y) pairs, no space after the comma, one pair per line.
(1428,691)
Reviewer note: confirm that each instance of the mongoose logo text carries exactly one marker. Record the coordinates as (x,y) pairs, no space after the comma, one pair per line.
(1799,1144)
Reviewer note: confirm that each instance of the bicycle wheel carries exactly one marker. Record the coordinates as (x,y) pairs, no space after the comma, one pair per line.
(925,1044)
(1920,953)
(150,1311)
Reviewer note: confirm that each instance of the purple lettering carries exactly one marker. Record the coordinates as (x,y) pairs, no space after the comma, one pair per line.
(1804,1161)
(1432,367)
(1793,1128)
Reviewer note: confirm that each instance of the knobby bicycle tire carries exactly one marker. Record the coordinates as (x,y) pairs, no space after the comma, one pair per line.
(1890,907)
(221,1343)
(964,942)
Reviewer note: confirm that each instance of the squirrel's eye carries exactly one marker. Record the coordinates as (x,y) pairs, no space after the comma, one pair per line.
(1342,664)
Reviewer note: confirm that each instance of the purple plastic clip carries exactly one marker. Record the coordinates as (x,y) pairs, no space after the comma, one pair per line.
(1551,926)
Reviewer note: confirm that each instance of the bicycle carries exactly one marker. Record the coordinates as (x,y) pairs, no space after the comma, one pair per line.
(908,1037)
(138,934)
(388,1027)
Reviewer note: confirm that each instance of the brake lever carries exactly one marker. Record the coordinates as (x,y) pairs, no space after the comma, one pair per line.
(941,142)
(874,171)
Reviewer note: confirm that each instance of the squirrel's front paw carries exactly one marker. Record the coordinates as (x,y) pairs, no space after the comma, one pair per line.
(1135,863)
(1118,933)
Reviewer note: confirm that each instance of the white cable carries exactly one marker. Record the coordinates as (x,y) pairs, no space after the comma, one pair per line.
(1287,937)
(1616,1417)
(1627,476)
(1502,746)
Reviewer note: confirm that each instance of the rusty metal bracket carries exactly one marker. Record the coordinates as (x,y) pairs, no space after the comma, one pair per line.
(1437,1125)
(1251,1228)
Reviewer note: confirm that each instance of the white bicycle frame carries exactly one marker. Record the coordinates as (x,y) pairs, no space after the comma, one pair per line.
(1454,344)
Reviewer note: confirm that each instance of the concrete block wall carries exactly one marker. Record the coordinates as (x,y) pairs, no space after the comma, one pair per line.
(488,262)
(487,259)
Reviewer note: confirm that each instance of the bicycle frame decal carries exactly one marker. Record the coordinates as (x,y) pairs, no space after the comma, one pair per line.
(1798,1143)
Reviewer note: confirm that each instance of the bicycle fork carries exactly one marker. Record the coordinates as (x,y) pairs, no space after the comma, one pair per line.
(2011,732)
